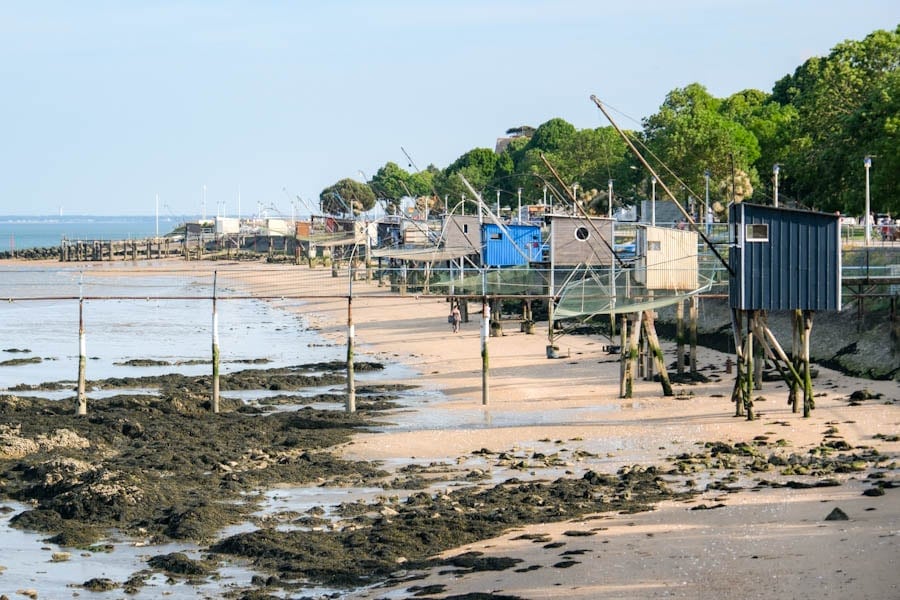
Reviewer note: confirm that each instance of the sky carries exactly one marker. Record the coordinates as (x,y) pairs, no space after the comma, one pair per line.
(202,107)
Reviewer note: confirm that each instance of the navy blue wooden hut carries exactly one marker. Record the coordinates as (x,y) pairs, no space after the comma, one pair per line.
(510,245)
(784,259)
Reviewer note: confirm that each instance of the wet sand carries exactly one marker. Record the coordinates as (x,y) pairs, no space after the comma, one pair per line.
(755,543)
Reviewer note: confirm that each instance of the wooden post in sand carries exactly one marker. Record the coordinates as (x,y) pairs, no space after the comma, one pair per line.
(793,395)
(631,354)
(351,382)
(623,353)
(215,349)
(737,393)
(692,328)
(485,334)
(679,337)
(656,350)
(808,402)
(82,361)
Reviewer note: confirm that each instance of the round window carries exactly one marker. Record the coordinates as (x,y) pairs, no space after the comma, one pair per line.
(582,233)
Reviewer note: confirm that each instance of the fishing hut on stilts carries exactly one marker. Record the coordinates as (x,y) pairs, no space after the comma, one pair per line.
(783,260)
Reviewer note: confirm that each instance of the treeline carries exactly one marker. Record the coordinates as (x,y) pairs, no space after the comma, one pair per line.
(817,124)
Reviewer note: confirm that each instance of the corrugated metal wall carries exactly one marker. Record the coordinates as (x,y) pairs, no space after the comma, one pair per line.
(500,251)
(798,267)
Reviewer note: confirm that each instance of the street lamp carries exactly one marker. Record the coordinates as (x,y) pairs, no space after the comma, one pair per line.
(707,214)
(867,163)
(610,194)
(653,201)
(519,214)
(775,170)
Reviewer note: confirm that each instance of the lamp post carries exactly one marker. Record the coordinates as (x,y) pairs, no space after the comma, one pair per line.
(653,201)
(775,170)
(706,201)
(610,195)
(498,204)
(867,163)
(519,209)
(706,211)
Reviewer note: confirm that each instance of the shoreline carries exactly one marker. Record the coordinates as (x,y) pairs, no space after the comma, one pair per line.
(539,404)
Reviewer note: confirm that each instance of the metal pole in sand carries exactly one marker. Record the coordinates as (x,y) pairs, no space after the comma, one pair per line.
(485,333)
(82,359)
(215,349)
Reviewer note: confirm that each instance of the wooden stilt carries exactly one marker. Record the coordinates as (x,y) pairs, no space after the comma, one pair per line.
(623,353)
(632,354)
(679,337)
(749,374)
(656,351)
(808,402)
(693,333)
(737,393)
(758,354)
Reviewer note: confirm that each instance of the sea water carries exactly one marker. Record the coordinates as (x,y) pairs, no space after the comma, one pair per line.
(19,232)
(175,331)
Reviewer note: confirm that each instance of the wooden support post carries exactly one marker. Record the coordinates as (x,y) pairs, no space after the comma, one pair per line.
(623,353)
(215,349)
(747,388)
(656,351)
(485,363)
(631,355)
(808,402)
(758,357)
(693,332)
(351,380)
(81,409)
(737,394)
(679,337)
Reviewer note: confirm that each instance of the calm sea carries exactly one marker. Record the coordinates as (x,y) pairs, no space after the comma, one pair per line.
(21,232)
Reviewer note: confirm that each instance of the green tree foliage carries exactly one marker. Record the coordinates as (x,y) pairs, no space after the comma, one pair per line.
(818,124)
(692,133)
(477,166)
(347,196)
(847,105)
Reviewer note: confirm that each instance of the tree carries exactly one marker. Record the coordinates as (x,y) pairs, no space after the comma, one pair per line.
(348,197)
(847,106)
(477,166)
(692,134)
(390,184)
(773,125)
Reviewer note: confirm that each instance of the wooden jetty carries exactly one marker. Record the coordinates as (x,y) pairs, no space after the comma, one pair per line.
(111,250)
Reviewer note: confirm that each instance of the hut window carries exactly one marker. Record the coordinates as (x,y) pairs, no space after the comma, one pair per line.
(654,246)
(497,236)
(582,234)
(465,228)
(757,232)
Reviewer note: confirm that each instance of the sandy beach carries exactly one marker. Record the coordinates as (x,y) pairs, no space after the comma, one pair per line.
(754,522)
(753,543)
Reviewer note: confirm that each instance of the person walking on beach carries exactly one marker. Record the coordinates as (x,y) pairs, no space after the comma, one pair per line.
(455,318)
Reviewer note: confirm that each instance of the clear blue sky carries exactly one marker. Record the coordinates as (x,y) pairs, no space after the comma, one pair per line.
(106,104)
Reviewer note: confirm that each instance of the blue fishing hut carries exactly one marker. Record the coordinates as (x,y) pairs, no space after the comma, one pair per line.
(510,245)
(784,259)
